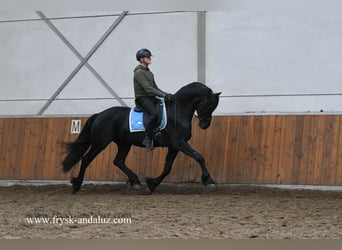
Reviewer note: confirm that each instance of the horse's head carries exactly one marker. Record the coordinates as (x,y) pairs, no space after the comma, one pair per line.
(206,107)
(198,97)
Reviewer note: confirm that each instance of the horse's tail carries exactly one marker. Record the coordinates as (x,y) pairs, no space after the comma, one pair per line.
(75,150)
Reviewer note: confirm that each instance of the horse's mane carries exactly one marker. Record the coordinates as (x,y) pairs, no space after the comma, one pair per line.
(193,86)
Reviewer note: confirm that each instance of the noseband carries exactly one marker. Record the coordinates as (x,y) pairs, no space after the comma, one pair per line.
(199,116)
(203,118)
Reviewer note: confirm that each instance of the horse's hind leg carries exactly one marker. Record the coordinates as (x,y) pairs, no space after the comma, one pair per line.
(86,160)
(119,161)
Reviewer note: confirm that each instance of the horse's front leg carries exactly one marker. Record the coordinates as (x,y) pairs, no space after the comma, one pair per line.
(186,149)
(153,183)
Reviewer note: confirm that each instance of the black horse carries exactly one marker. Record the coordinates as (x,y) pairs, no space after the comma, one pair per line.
(112,125)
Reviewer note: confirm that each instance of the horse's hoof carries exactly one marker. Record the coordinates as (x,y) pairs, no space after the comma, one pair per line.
(211,185)
(73,180)
(148,191)
(151,185)
(135,184)
(208,181)
(75,190)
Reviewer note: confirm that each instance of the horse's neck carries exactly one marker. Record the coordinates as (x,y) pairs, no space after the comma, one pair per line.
(187,105)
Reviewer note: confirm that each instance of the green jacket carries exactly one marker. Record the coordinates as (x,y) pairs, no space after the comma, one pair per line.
(144,84)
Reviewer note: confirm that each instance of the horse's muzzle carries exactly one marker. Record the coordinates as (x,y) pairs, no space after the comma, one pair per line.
(204,124)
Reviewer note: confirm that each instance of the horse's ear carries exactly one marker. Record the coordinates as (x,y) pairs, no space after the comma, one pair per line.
(219,93)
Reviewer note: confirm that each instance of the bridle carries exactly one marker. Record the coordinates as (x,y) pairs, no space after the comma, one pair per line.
(199,116)
(203,118)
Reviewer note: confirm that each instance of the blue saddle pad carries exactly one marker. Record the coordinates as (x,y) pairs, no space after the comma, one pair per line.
(136,119)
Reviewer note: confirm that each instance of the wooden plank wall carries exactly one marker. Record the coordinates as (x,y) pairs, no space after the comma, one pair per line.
(278,149)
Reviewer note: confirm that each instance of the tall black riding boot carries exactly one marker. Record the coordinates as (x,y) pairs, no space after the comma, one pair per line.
(148,141)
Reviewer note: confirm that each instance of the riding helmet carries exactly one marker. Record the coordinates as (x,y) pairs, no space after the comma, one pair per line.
(141,53)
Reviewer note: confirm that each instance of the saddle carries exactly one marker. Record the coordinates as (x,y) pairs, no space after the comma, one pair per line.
(136,117)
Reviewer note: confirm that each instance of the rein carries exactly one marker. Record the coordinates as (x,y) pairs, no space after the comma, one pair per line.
(175,112)
(173,105)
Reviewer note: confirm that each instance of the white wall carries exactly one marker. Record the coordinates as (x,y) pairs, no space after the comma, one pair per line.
(275,61)
(35,62)
(262,61)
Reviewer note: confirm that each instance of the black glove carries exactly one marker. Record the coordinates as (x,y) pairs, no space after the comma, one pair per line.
(170,98)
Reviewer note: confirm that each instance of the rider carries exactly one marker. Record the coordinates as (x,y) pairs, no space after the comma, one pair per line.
(146,91)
